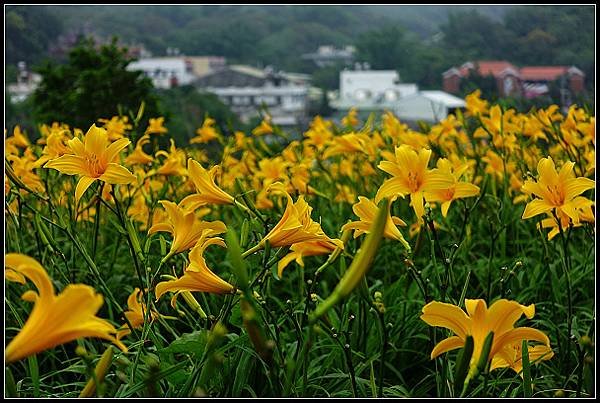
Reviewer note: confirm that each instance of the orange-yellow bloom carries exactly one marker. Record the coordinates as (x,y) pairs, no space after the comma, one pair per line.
(138,156)
(264,127)
(204,182)
(185,227)
(95,158)
(309,248)
(366,210)
(474,104)
(155,126)
(511,356)
(205,133)
(55,319)
(478,322)
(116,127)
(135,314)
(558,191)
(295,225)
(351,119)
(174,164)
(197,276)
(411,176)
(456,191)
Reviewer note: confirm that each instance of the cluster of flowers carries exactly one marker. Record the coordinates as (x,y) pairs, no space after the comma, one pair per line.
(344,163)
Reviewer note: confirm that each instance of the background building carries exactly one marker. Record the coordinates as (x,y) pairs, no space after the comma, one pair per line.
(328,55)
(172,71)
(528,81)
(247,89)
(379,90)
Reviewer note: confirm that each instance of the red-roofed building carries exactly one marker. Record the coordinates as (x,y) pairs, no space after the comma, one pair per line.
(529,81)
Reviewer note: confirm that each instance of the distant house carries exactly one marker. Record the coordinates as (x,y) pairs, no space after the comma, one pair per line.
(27,82)
(245,89)
(329,55)
(529,81)
(379,90)
(172,71)
(372,89)
(536,79)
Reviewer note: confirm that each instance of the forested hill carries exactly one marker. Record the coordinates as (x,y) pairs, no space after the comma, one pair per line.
(418,41)
(247,34)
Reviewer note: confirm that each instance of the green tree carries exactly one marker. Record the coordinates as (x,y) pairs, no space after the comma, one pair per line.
(94,83)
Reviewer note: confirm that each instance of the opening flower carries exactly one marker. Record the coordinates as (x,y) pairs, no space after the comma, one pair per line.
(308,248)
(205,133)
(155,126)
(135,314)
(204,182)
(55,319)
(197,276)
(366,210)
(185,227)
(95,158)
(411,176)
(478,322)
(511,356)
(558,191)
(295,225)
(457,190)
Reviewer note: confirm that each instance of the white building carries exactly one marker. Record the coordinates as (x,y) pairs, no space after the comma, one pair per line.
(172,71)
(246,89)
(27,82)
(428,106)
(379,90)
(372,87)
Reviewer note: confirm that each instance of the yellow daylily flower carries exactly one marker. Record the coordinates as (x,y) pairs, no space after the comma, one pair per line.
(475,105)
(155,126)
(204,182)
(23,168)
(116,127)
(558,191)
(95,158)
(495,165)
(174,164)
(55,319)
(411,176)
(197,276)
(457,191)
(205,133)
(478,322)
(585,212)
(295,225)
(511,356)
(309,248)
(367,210)
(319,134)
(135,314)
(185,227)
(345,194)
(56,146)
(18,140)
(348,143)
(138,156)
(264,127)
(351,119)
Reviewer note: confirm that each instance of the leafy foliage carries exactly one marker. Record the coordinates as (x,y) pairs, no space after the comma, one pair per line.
(93,83)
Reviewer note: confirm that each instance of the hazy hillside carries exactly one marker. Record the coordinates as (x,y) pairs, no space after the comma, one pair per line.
(258,34)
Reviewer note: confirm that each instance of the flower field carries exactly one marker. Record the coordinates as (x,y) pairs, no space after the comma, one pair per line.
(359,259)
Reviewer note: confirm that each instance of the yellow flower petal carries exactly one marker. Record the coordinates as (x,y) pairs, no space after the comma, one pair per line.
(446,345)
(448,316)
